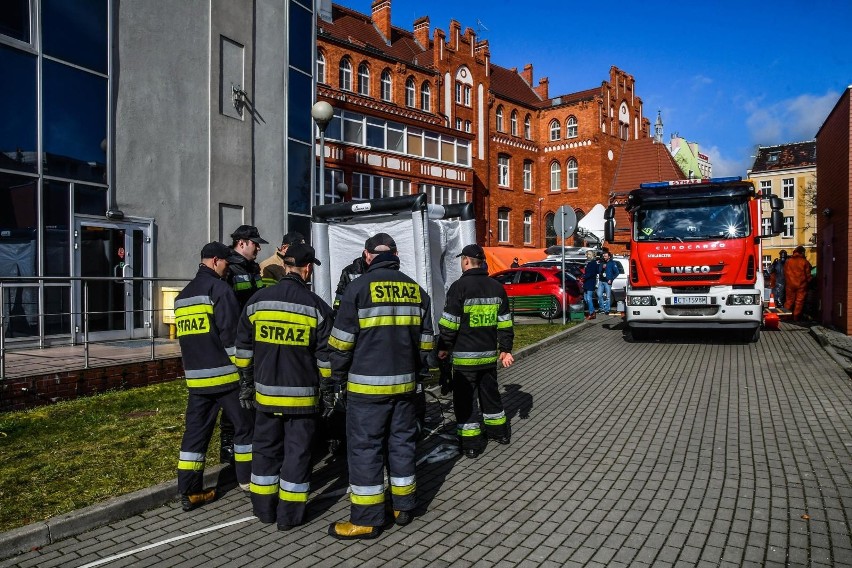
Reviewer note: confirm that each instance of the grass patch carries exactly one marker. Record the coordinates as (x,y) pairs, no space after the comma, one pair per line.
(72,454)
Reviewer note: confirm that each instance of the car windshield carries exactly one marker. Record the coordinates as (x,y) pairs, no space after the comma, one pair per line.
(696,220)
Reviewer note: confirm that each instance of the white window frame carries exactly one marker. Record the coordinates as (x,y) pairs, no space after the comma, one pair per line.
(387,85)
(555,176)
(528,215)
(573,172)
(467,95)
(571,127)
(425,97)
(467,126)
(320,67)
(499,119)
(528,175)
(513,123)
(368,186)
(458,123)
(527,128)
(788,188)
(766,186)
(458,93)
(503,225)
(766,226)
(363,80)
(503,171)
(442,195)
(789,228)
(410,92)
(344,75)
(555,130)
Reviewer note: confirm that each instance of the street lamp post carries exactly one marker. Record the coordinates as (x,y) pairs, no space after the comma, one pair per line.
(322,114)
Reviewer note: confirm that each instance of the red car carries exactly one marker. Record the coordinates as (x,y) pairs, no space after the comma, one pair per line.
(538,281)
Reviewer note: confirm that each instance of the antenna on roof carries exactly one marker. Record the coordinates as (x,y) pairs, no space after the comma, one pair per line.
(480,26)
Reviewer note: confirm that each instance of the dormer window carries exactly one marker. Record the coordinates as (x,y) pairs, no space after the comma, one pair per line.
(772,157)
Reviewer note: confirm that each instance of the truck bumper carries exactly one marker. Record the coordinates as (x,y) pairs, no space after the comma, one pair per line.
(718,316)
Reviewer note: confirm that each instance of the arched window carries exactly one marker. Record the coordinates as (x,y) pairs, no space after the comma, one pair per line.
(572,174)
(527,128)
(500,118)
(549,230)
(555,130)
(409,92)
(571,127)
(345,75)
(503,170)
(320,67)
(425,97)
(364,80)
(513,123)
(387,85)
(555,177)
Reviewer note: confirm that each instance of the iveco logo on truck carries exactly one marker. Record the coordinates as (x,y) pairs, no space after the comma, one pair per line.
(690,269)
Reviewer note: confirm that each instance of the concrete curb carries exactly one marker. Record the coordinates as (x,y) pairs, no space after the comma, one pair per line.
(36,535)
(821,335)
(40,534)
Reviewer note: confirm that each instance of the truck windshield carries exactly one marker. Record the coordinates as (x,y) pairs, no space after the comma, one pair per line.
(698,220)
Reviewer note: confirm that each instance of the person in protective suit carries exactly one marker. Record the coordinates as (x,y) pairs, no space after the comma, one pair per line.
(476,325)
(797,274)
(382,338)
(206,314)
(776,279)
(282,350)
(347,275)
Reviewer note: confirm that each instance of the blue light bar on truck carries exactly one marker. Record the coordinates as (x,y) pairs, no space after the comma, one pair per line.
(689,182)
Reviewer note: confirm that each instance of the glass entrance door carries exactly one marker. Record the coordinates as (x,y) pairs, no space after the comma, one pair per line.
(108,256)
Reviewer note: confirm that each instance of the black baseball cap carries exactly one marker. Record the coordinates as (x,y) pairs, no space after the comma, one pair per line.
(473,251)
(299,254)
(380,242)
(248,233)
(292,238)
(218,250)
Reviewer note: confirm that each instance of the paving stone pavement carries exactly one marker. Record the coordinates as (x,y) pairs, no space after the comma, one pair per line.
(683,451)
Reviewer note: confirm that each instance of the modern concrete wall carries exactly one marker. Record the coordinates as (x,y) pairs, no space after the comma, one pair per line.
(161,85)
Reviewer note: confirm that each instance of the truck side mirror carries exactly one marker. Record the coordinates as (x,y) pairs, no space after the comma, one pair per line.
(776,203)
(609,213)
(609,229)
(776,219)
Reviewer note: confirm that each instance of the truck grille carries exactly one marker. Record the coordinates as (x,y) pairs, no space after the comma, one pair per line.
(691,310)
(690,277)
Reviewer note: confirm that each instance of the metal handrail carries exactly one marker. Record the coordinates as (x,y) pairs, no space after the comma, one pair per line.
(17,282)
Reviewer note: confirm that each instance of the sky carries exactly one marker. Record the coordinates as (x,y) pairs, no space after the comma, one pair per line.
(726,75)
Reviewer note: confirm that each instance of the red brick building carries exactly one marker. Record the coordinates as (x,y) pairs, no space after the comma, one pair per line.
(834,175)
(427,111)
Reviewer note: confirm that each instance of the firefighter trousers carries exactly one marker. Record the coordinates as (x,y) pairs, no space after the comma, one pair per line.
(201,413)
(281,466)
(377,431)
(476,398)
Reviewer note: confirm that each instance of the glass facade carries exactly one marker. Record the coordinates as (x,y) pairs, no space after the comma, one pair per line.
(59,66)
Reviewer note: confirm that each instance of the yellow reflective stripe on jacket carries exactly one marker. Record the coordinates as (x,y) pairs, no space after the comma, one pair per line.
(193,310)
(282,317)
(341,340)
(445,321)
(291,401)
(213,381)
(389,320)
(380,389)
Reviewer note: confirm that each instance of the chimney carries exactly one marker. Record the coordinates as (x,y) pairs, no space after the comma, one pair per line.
(527,74)
(382,17)
(421,31)
(541,90)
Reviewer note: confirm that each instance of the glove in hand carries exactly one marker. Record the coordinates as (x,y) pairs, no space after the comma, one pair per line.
(247,388)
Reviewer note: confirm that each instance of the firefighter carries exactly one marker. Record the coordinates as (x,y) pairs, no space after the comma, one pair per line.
(476,326)
(206,314)
(347,275)
(381,339)
(244,276)
(272,269)
(282,350)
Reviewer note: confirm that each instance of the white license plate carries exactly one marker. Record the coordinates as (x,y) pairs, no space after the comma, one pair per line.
(689,300)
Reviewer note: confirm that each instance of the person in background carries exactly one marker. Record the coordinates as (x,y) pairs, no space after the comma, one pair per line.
(797,274)
(272,268)
(347,275)
(776,278)
(606,276)
(590,282)
(206,315)
(515,263)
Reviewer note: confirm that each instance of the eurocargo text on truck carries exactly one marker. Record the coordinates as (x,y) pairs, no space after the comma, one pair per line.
(695,255)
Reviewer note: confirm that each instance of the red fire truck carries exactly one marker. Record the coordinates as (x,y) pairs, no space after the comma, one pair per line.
(695,255)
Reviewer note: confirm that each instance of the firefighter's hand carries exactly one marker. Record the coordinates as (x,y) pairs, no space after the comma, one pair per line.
(443,354)
(247,388)
(330,391)
(506,359)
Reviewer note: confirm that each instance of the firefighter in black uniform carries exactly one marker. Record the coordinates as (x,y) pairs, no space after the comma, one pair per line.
(381,338)
(347,275)
(282,351)
(476,326)
(244,276)
(206,314)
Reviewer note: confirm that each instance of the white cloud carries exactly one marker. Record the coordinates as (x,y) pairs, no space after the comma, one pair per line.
(788,120)
(699,81)
(724,166)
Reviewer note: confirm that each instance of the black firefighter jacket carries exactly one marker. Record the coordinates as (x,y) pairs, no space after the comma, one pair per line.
(206,314)
(246,280)
(382,333)
(283,333)
(476,321)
